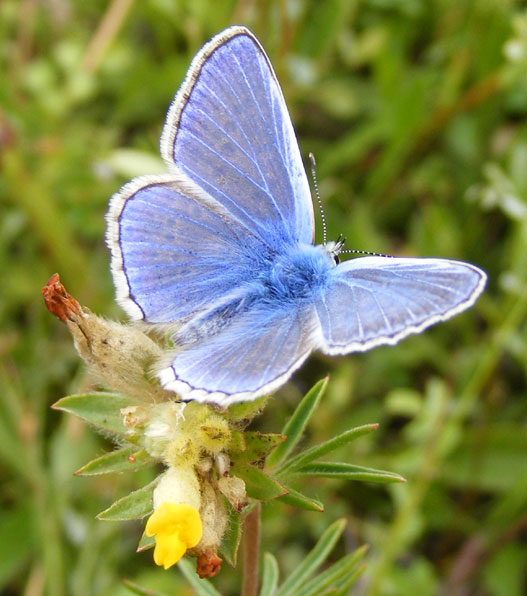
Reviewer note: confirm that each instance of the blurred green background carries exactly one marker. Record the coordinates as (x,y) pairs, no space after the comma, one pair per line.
(416,113)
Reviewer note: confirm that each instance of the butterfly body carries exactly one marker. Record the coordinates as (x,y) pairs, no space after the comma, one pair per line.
(219,250)
(297,275)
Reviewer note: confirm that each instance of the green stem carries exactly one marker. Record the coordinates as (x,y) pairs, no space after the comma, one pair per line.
(251,552)
(44,501)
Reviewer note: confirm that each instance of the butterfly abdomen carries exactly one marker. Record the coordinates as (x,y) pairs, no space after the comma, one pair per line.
(217,316)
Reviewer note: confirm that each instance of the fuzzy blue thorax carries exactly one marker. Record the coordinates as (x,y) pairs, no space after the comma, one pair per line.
(296,274)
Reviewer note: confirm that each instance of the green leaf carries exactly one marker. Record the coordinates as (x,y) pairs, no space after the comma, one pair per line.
(259,485)
(202,587)
(313,560)
(296,499)
(319,450)
(346,585)
(137,589)
(246,410)
(127,459)
(232,537)
(101,409)
(258,445)
(297,423)
(146,543)
(270,574)
(136,505)
(237,443)
(348,471)
(341,570)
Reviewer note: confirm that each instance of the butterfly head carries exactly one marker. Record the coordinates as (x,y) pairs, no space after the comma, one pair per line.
(334,248)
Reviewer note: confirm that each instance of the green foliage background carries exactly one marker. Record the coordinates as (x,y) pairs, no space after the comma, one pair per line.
(416,113)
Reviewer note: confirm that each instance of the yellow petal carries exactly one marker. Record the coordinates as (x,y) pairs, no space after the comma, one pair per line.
(169,549)
(176,527)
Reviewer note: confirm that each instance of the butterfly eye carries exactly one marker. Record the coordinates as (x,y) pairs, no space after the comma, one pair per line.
(335,248)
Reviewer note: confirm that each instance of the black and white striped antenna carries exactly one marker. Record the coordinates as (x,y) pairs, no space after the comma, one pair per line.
(319,200)
(341,240)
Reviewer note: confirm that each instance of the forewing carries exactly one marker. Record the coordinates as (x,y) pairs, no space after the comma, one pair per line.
(174,250)
(251,357)
(228,129)
(373,301)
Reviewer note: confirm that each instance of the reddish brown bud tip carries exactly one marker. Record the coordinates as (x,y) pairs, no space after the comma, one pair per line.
(58,301)
(209,564)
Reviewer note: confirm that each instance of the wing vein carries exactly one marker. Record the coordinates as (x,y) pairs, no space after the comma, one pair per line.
(234,167)
(253,157)
(270,99)
(422,281)
(227,198)
(256,103)
(277,350)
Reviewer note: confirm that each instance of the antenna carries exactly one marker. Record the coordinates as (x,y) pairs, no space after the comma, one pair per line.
(319,200)
(340,240)
(365,252)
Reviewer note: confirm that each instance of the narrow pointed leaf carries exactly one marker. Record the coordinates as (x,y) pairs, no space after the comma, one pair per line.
(342,570)
(258,484)
(300,501)
(270,575)
(348,471)
(346,585)
(318,451)
(232,537)
(128,459)
(137,589)
(146,543)
(202,587)
(297,423)
(101,409)
(136,505)
(313,560)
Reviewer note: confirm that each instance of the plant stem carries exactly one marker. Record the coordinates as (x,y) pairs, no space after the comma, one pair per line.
(251,552)
(106,32)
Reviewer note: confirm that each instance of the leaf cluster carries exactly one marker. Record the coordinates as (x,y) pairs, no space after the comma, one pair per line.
(266,462)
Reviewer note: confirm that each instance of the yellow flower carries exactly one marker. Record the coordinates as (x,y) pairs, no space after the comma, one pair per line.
(176,529)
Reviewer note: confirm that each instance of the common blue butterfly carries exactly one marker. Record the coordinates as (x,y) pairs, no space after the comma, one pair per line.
(219,251)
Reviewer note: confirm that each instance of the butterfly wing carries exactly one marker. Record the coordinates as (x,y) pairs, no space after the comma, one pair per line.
(236,195)
(374,301)
(257,353)
(229,131)
(174,249)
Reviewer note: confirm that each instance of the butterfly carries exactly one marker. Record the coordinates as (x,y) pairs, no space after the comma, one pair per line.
(219,251)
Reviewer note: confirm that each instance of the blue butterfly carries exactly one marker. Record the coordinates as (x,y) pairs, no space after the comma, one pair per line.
(219,251)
